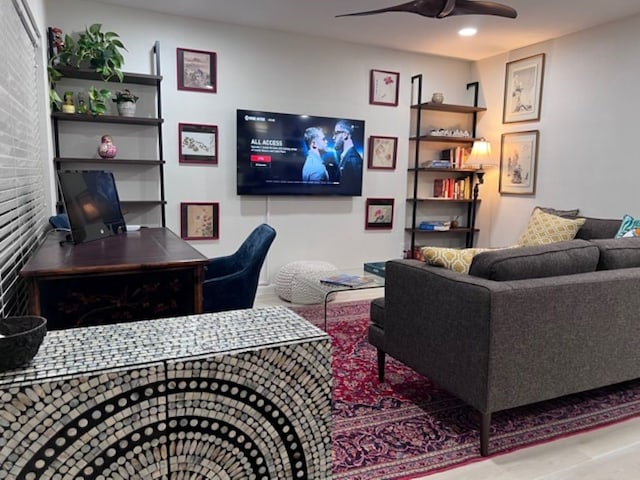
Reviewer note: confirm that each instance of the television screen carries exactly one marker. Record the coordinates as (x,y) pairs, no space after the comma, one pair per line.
(286,154)
(92,204)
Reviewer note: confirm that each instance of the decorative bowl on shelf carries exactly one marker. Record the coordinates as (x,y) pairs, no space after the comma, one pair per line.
(20,340)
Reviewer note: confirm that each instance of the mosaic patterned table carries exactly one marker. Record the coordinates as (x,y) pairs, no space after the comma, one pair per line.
(234,395)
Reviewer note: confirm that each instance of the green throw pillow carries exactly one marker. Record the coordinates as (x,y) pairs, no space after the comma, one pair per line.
(628,227)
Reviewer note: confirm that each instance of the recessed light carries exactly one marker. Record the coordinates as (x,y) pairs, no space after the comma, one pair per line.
(468,32)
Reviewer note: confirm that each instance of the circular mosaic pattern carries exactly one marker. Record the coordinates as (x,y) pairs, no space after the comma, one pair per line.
(231,416)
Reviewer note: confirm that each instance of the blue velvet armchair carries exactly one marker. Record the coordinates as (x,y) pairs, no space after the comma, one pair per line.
(231,282)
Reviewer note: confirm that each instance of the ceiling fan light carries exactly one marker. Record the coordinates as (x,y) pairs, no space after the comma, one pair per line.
(467,32)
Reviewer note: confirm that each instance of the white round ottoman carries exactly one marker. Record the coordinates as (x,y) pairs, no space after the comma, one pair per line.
(290,288)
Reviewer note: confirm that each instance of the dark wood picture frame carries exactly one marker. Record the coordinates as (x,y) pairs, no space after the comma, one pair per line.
(199,221)
(523,89)
(197,70)
(382,153)
(384,87)
(519,162)
(379,214)
(197,143)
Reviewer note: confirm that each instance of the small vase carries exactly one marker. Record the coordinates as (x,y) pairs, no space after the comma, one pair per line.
(107,149)
(127,109)
(437,97)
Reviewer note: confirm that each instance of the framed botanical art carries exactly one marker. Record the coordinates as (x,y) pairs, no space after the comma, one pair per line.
(523,89)
(379,214)
(384,87)
(198,143)
(519,162)
(199,221)
(197,70)
(382,152)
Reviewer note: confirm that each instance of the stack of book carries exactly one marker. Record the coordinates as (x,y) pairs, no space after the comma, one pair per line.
(435,225)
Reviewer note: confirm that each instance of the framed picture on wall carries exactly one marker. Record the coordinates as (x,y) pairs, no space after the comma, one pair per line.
(199,221)
(198,143)
(197,70)
(523,89)
(384,87)
(382,152)
(518,162)
(379,214)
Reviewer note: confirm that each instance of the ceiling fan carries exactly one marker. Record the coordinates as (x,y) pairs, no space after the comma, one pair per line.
(445,8)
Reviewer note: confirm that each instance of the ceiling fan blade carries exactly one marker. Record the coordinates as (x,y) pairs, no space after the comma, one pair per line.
(469,7)
(427,8)
(444,8)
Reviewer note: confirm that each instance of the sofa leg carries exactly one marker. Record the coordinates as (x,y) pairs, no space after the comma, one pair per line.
(485,424)
(380,365)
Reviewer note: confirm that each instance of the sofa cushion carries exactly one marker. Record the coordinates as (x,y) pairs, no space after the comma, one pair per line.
(618,253)
(628,227)
(545,228)
(456,259)
(598,228)
(559,258)
(560,213)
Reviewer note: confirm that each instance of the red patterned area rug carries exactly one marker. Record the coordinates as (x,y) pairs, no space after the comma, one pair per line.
(407,427)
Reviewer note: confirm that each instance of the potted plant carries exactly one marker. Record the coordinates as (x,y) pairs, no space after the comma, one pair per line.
(100,50)
(126,102)
(98,100)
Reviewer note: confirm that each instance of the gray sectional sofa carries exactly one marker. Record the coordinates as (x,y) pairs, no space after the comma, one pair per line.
(525,325)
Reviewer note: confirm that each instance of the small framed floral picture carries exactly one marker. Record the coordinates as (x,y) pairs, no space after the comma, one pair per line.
(197,70)
(382,152)
(384,88)
(199,221)
(379,214)
(198,143)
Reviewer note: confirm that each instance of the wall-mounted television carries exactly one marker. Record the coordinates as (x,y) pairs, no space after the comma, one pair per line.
(287,154)
(92,204)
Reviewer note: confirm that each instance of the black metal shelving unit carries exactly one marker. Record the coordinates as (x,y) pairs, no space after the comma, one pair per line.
(153,80)
(469,204)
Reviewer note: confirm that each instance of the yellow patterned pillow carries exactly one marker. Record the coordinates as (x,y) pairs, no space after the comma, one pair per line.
(458,260)
(544,228)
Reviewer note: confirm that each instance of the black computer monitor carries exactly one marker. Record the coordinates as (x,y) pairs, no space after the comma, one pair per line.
(92,204)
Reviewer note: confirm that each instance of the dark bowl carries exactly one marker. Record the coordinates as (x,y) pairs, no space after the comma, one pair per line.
(22,337)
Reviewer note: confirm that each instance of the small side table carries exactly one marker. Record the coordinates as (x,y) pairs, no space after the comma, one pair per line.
(312,282)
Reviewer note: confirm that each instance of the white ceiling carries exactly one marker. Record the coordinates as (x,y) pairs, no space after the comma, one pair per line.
(538,20)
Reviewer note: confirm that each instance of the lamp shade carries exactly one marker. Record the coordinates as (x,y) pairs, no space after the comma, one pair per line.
(480,156)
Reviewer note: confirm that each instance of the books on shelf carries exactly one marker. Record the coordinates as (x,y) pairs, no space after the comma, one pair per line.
(377,268)
(434,225)
(457,156)
(346,280)
(456,188)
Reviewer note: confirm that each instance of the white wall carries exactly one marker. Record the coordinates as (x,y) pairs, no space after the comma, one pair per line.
(587,155)
(589,128)
(272,71)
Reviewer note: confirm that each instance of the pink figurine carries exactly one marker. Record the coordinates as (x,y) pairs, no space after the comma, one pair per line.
(107,149)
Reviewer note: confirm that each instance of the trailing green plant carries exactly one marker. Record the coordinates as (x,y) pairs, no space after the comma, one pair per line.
(125,95)
(100,50)
(98,100)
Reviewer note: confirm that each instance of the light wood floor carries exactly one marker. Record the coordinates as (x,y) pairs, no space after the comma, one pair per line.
(611,453)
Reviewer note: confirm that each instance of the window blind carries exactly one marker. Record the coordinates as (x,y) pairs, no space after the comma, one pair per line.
(22,168)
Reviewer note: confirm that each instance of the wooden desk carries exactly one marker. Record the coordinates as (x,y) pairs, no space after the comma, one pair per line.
(151,273)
